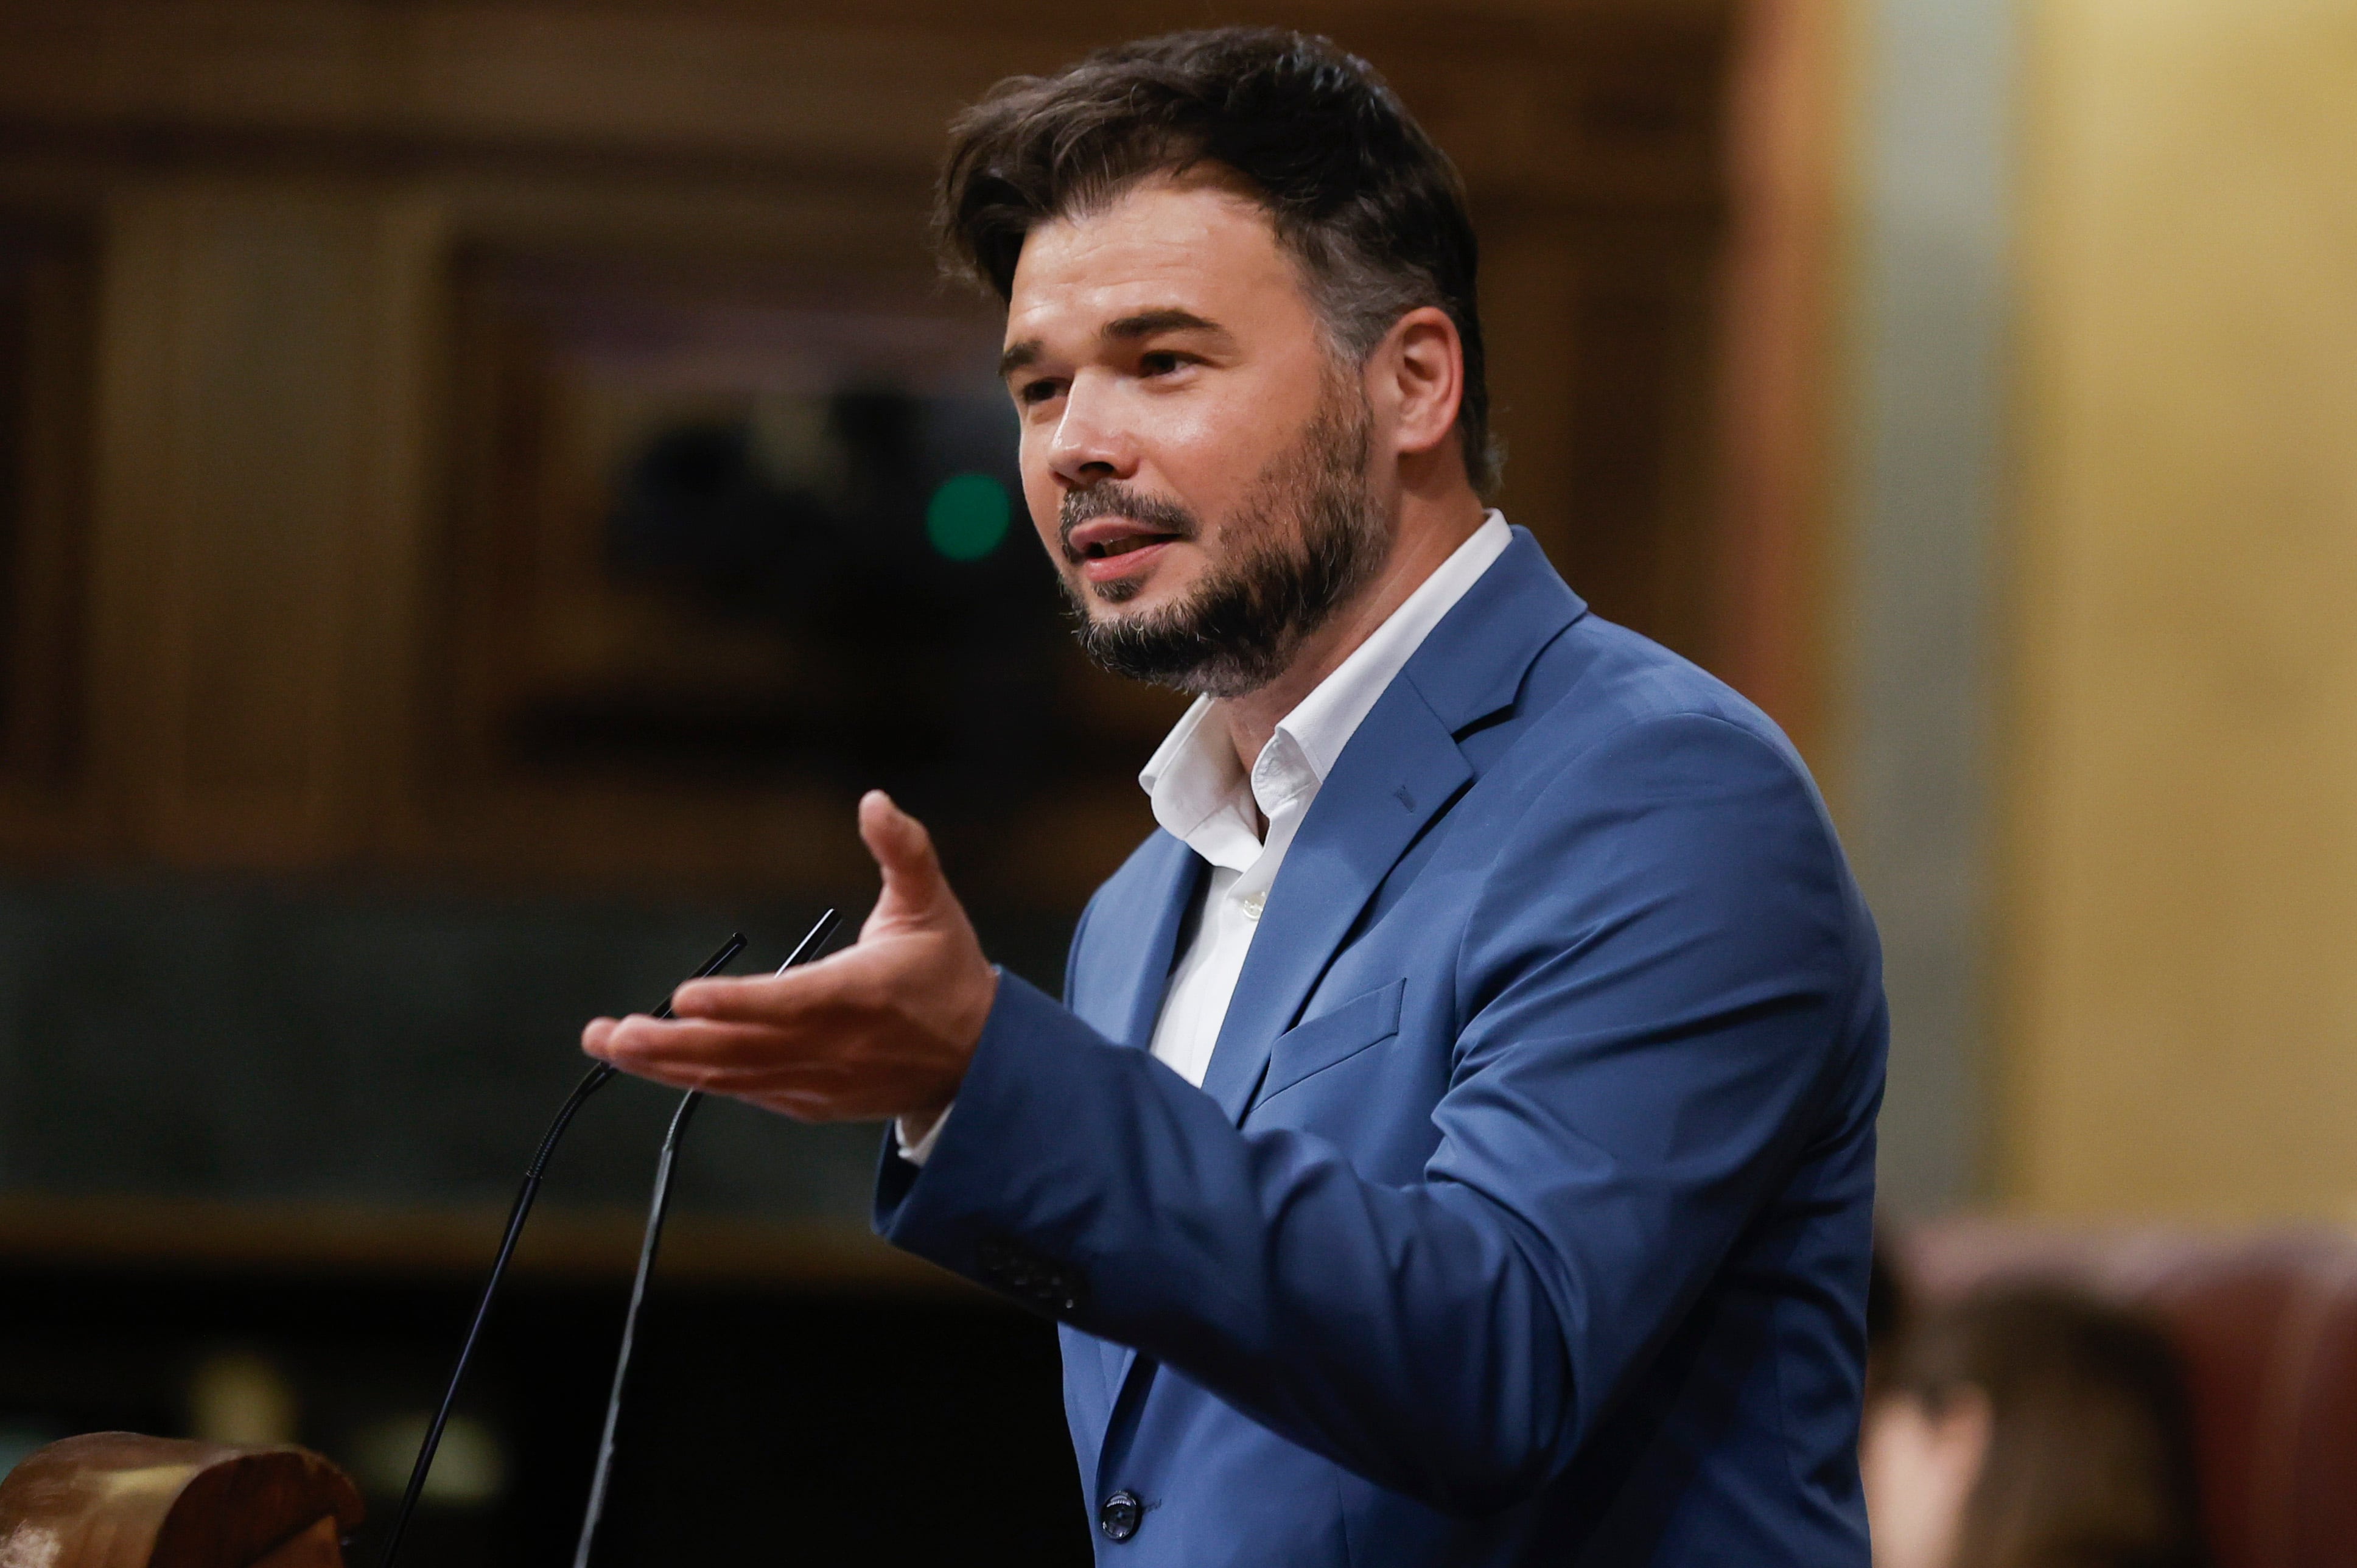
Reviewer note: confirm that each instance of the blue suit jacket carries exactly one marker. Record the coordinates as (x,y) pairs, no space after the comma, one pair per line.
(1523,1214)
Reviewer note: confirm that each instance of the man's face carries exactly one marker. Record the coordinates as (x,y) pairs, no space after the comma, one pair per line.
(1193,455)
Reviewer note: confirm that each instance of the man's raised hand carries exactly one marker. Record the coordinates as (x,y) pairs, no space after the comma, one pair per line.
(883,1028)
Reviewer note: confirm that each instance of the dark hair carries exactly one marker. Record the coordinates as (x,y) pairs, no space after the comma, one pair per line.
(2090,1460)
(1366,203)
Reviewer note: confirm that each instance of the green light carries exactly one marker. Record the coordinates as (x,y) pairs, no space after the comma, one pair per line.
(967,515)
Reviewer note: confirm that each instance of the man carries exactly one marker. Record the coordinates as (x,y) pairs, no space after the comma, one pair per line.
(1456,1145)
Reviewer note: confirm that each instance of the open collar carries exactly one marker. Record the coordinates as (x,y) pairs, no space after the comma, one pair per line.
(1400,770)
(1201,795)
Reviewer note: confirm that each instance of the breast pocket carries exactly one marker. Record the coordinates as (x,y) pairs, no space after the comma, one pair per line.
(1333,1037)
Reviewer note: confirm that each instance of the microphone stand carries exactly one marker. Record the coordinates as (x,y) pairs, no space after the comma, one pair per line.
(657,1210)
(593,1080)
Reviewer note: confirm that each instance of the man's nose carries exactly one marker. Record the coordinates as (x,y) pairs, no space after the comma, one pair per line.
(1092,442)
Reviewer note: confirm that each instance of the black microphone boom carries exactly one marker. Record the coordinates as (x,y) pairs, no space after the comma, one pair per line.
(590,1084)
(804,951)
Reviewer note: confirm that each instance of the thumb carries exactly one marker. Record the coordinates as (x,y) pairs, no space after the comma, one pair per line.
(913,883)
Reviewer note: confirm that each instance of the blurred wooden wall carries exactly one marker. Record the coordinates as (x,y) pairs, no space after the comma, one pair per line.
(230,229)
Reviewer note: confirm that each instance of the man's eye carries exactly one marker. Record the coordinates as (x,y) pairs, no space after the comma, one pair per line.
(1040,390)
(1159,363)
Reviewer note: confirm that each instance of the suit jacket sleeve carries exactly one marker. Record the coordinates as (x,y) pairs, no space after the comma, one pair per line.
(1658,983)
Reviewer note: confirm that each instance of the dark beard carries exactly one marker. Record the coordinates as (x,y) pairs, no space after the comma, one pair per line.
(1243,623)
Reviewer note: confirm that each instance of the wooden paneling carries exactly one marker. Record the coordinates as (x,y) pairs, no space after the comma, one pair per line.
(573,1242)
(1576,102)
(1601,369)
(48,277)
(282,195)
(238,389)
(1778,367)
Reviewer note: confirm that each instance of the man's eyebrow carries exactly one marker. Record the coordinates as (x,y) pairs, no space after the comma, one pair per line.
(1146,323)
(1018,355)
(1124,328)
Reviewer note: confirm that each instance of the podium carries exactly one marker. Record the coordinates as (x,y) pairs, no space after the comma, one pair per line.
(115,1499)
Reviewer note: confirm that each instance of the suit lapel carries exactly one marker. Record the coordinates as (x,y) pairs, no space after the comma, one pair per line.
(1399,769)
(1364,818)
(1154,903)
(1153,906)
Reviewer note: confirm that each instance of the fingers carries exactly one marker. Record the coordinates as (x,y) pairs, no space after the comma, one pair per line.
(903,851)
(748,1061)
(647,1046)
(786,1002)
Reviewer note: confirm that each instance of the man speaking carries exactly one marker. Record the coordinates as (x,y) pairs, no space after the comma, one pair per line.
(1456,1141)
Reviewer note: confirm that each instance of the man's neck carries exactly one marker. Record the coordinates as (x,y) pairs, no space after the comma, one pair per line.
(1427,535)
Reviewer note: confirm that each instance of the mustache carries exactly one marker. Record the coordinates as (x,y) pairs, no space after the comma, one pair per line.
(1112,499)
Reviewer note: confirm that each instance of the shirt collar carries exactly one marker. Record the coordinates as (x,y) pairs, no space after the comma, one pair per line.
(1201,794)
(1325,720)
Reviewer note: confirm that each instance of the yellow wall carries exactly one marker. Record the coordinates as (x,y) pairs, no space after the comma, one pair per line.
(2180,763)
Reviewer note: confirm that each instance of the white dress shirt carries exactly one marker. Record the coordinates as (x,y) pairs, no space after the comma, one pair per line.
(1202,797)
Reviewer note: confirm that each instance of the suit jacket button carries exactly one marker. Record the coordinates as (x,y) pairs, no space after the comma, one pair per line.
(1120,1515)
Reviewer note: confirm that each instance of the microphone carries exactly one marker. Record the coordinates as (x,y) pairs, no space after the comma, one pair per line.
(657,1210)
(593,1080)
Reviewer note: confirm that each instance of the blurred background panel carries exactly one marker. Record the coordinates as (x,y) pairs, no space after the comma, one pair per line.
(2181,775)
(483,487)
(479,473)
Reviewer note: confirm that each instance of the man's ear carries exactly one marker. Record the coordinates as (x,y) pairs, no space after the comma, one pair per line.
(1419,371)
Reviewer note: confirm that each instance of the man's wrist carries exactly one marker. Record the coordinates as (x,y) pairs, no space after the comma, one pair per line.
(916,1131)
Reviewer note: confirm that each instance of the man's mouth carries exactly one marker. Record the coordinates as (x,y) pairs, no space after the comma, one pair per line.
(1110,547)
(1122,546)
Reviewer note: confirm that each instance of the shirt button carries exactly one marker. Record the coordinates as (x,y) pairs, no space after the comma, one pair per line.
(1253,904)
(1121,1516)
